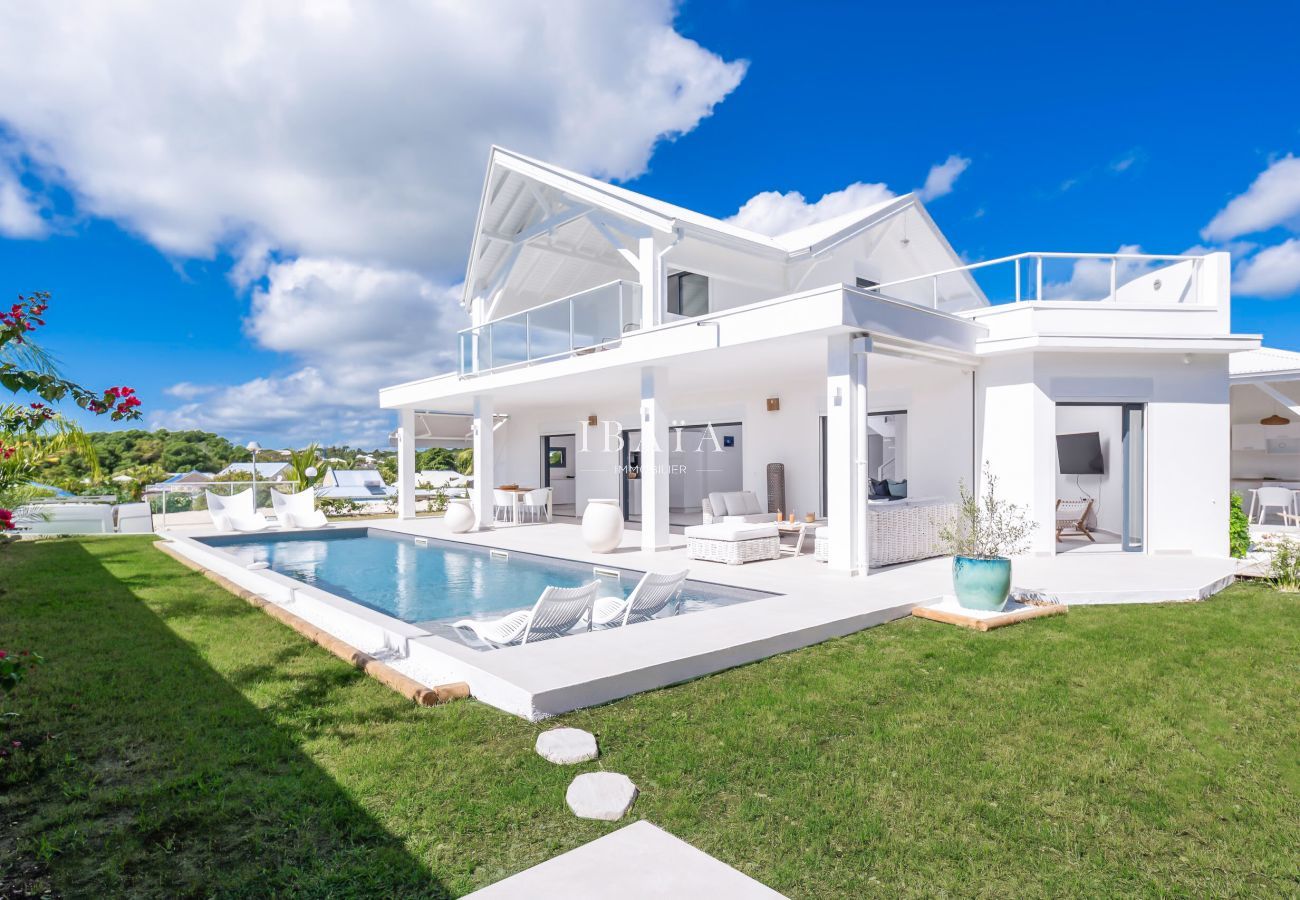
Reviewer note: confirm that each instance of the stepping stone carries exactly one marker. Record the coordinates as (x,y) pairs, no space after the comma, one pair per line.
(567,746)
(601,795)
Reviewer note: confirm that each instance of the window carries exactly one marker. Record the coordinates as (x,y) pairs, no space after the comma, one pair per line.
(557,458)
(866,283)
(688,294)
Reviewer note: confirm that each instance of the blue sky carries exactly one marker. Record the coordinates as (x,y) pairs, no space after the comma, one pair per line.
(241,241)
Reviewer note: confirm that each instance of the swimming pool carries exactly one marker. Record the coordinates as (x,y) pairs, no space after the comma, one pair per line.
(427,581)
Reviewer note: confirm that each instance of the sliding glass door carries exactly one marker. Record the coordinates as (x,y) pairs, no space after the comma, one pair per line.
(1105,442)
(1135,491)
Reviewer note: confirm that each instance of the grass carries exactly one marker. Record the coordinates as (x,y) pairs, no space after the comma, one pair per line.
(179,742)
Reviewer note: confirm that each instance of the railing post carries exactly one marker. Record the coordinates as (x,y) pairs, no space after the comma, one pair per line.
(1017,279)
(1114,266)
(934,290)
(1038,290)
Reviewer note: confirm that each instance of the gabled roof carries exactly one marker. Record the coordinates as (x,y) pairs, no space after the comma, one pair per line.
(264,469)
(507,209)
(1264,361)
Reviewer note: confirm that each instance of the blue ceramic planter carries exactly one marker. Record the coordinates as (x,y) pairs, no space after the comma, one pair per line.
(982,584)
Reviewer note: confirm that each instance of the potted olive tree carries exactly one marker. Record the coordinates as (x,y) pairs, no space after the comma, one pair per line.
(983,537)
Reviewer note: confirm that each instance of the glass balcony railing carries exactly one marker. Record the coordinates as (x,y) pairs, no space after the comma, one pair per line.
(1135,278)
(590,318)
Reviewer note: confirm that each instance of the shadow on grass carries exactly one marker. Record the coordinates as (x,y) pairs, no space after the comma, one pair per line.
(145,769)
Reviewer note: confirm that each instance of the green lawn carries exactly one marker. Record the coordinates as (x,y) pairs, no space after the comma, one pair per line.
(179,742)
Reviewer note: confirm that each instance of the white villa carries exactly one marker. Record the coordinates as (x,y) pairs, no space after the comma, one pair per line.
(671,355)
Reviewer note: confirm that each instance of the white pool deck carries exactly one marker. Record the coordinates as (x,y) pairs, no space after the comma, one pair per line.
(585,669)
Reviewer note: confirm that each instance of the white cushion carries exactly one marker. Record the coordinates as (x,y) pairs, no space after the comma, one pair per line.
(731,531)
(754,518)
(737,505)
(718,503)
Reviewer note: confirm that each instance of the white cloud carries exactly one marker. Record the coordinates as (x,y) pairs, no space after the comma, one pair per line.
(1272,199)
(355,328)
(188,390)
(349,136)
(942,177)
(772,212)
(1272,272)
(335,128)
(20,214)
(1089,279)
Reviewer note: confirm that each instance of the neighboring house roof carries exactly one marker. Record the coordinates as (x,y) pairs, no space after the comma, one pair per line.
(438,478)
(56,491)
(1254,364)
(352,477)
(356,484)
(264,469)
(192,476)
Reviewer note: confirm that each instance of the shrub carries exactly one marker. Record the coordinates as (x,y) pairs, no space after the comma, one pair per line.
(1238,528)
(1284,570)
(437,502)
(986,527)
(338,506)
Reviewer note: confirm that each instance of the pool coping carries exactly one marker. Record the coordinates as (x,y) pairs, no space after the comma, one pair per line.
(539,680)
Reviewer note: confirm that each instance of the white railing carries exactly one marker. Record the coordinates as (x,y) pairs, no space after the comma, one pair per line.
(1061,277)
(553,330)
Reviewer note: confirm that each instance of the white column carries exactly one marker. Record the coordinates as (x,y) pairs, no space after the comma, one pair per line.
(653,276)
(484,477)
(654,460)
(406,464)
(846,452)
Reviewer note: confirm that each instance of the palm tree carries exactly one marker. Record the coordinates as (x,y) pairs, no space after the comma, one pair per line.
(23,452)
(302,460)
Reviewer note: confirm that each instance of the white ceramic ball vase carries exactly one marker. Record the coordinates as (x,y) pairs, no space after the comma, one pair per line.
(459,516)
(602,525)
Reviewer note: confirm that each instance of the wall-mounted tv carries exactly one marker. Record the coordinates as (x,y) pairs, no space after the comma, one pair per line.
(1080,454)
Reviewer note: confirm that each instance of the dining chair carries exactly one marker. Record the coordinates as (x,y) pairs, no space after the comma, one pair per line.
(535,504)
(1273,497)
(503,506)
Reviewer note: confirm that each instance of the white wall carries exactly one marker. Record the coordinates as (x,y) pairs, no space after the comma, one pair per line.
(1187,436)
(1107,490)
(936,452)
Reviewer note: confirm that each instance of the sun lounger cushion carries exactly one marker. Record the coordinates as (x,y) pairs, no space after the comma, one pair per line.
(731,531)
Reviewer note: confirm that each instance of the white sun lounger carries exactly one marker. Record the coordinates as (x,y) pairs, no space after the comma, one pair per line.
(651,596)
(297,510)
(235,513)
(554,613)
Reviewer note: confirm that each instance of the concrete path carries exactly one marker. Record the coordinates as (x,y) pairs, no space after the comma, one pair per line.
(639,862)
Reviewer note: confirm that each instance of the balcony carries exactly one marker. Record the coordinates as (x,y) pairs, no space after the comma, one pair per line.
(1132,279)
(579,323)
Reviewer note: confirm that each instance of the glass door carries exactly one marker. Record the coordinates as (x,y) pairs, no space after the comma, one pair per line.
(1134,429)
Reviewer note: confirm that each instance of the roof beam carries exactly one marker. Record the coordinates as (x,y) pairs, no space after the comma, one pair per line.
(1278,396)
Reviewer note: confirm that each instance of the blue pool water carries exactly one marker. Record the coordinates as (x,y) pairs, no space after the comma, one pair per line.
(437,582)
